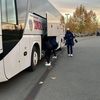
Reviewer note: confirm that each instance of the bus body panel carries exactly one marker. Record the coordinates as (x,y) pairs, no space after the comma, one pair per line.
(2,72)
(20,60)
(1,50)
(37,39)
(24,52)
(26,46)
(21,53)
(35,29)
(0,33)
(60,40)
(12,62)
(35,25)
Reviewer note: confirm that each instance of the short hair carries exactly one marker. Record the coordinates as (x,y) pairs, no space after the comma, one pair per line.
(67,28)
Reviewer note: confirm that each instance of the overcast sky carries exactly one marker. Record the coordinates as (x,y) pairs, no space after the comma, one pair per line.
(69,6)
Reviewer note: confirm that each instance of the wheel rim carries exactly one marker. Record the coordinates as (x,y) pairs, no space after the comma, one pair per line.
(35,58)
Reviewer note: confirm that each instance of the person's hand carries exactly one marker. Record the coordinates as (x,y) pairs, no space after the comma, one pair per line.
(76,40)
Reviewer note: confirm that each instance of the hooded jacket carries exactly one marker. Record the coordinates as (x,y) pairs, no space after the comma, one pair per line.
(69,37)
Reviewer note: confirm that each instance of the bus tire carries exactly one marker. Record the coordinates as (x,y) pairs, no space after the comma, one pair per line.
(34,59)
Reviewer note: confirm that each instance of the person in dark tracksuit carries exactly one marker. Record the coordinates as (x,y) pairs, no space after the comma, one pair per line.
(47,48)
(69,37)
(54,47)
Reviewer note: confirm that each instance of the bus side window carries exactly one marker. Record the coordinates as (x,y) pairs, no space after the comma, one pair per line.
(8,11)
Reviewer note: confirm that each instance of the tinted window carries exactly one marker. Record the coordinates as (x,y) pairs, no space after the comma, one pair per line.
(22,10)
(11,33)
(11,15)
(4,16)
(8,11)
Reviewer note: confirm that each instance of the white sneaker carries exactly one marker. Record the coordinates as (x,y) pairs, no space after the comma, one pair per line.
(45,62)
(48,64)
(54,57)
(71,55)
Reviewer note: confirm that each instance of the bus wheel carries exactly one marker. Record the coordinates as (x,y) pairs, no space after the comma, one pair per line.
(34,59)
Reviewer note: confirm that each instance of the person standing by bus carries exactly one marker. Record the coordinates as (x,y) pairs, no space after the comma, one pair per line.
(47,48)
(69,37)
(54,46)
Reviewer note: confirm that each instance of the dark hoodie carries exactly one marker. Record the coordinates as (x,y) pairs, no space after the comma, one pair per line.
(69,38)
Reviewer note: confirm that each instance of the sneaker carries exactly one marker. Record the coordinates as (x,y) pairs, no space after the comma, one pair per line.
(45,62)
(71,55)
(48,64)
(54,57)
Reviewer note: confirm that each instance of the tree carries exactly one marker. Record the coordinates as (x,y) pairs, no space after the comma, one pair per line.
(83,21)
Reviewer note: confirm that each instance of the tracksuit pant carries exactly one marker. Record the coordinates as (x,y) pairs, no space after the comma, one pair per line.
(69,49)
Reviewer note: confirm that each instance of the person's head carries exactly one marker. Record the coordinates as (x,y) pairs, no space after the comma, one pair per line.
(68,29)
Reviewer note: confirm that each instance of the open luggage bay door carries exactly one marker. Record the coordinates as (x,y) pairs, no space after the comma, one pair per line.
(53,25)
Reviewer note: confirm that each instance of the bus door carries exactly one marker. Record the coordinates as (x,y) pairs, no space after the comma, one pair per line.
(0,40)
(10,38)
(0,33)
(2,72)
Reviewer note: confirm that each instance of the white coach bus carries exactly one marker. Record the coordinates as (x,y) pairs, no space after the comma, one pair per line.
(22,25)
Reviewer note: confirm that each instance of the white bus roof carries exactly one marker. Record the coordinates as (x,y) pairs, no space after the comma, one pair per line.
(42,6)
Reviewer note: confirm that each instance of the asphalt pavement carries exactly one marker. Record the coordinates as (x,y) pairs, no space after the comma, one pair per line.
(74,78)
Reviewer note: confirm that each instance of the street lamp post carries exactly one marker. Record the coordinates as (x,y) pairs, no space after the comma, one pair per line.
(66,25)
(67,17)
